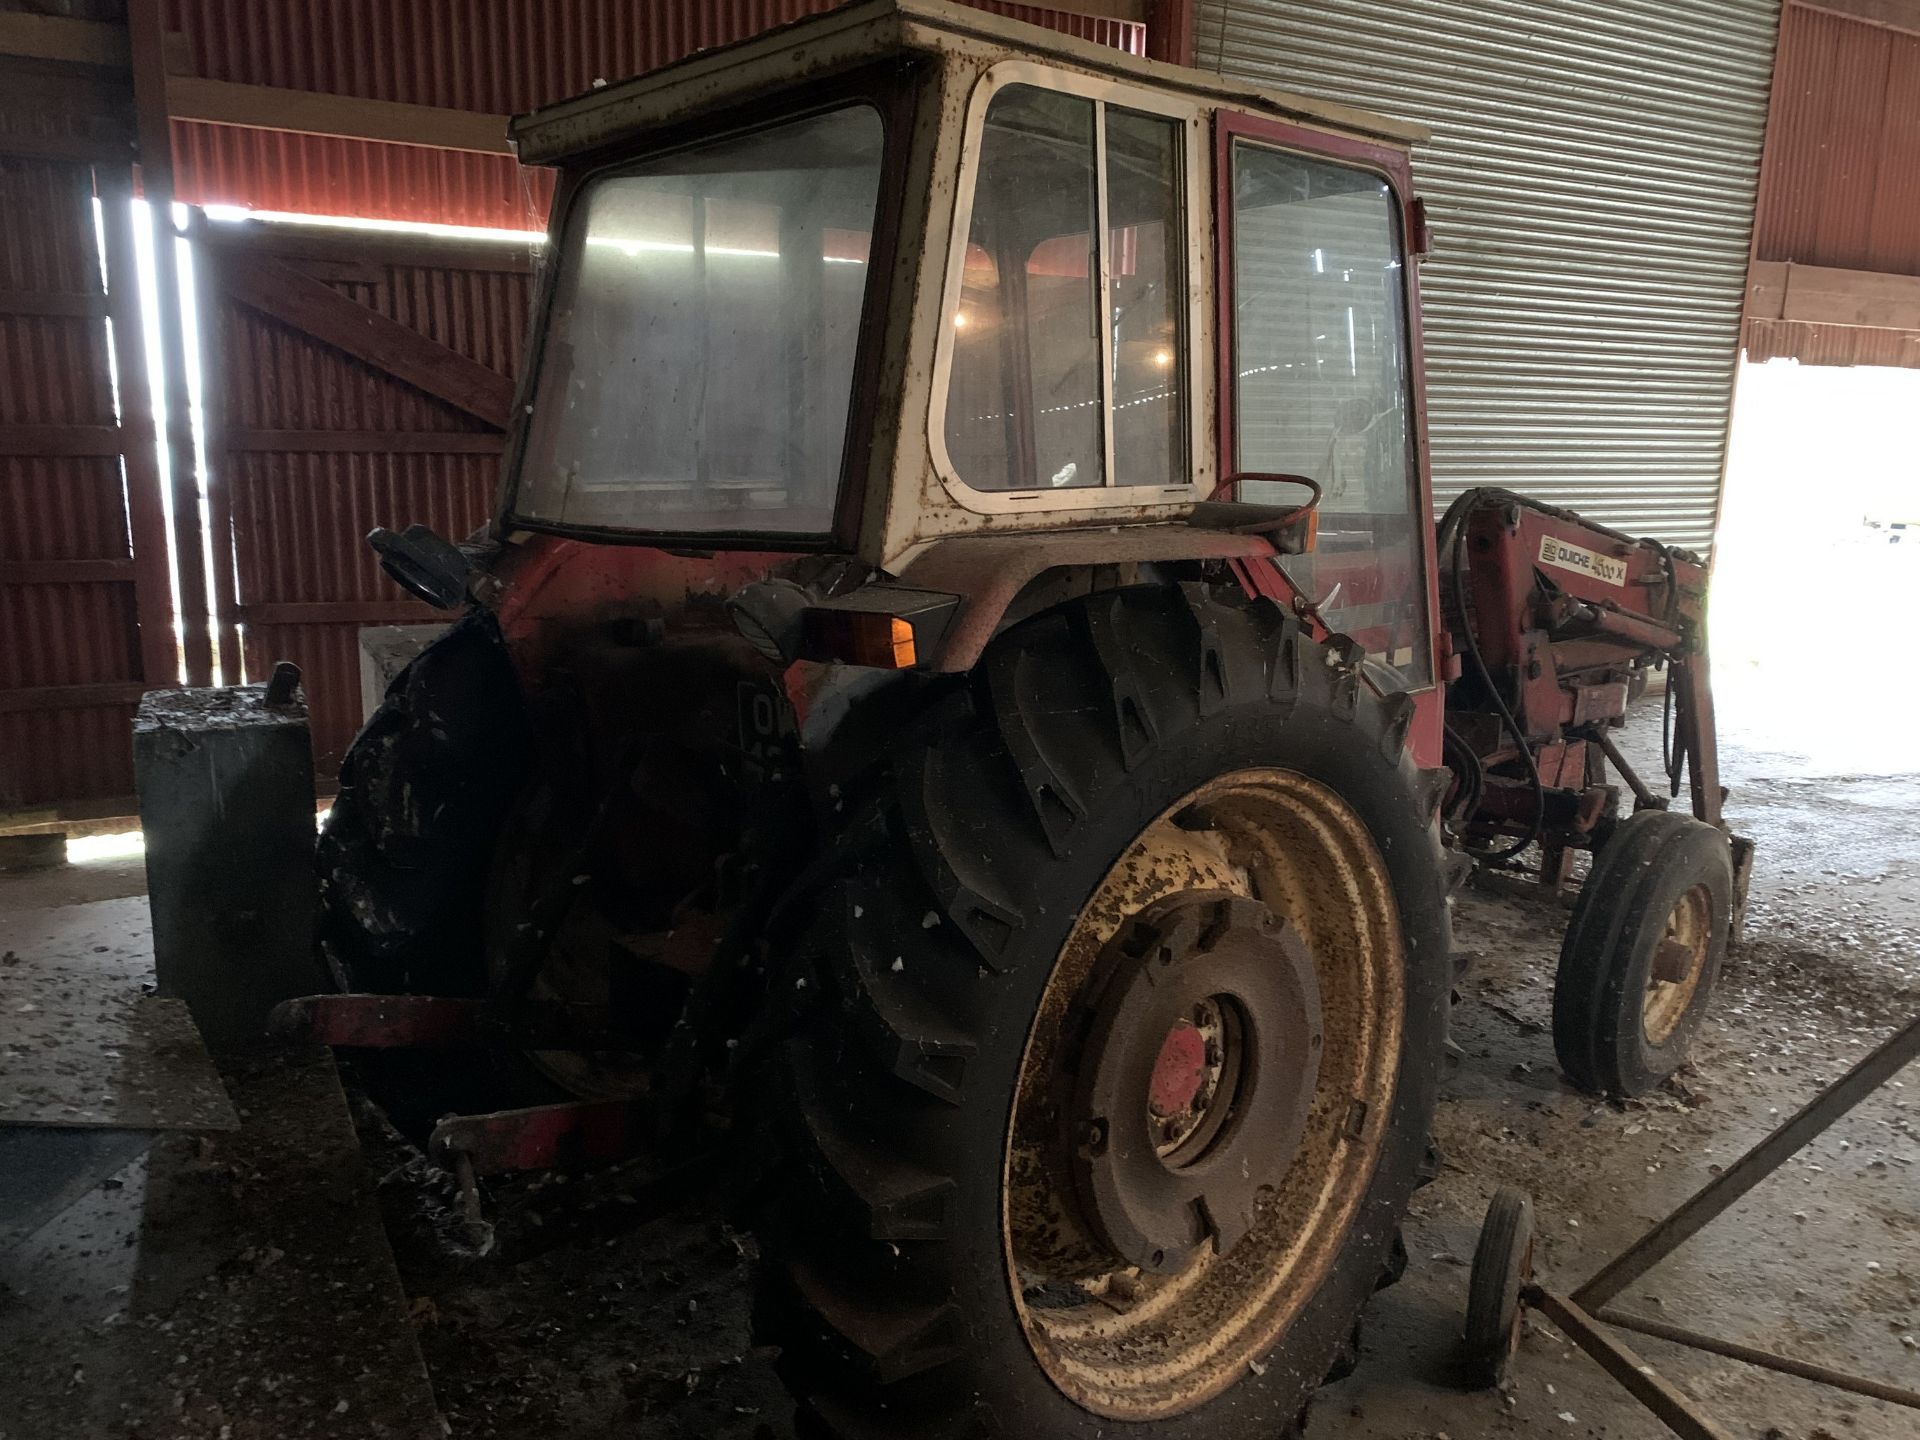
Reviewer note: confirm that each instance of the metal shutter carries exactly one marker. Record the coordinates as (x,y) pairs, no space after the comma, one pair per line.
(1591,182)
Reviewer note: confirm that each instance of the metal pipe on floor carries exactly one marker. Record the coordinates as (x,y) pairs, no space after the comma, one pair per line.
(1765,1359)
(1635,1375)
(1751,1168)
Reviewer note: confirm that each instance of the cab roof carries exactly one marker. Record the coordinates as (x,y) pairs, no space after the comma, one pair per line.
(866,31)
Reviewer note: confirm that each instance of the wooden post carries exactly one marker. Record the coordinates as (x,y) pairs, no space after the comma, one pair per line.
(155,137)
(146,516)
(1170,31)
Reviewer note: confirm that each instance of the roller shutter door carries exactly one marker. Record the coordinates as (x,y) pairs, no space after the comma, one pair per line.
(1591,183)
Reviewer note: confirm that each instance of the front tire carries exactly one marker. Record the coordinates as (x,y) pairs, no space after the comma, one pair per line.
(1138,773)
(1642,952)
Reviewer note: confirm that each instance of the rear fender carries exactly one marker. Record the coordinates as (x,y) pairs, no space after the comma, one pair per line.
(991,573)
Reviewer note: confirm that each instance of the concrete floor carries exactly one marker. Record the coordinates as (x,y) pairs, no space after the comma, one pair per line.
(594,1317)
(1821,1262)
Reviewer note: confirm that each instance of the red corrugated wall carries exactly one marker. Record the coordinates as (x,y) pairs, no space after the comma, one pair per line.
(312,448)
(494,56)
(71,654)
(1840,181)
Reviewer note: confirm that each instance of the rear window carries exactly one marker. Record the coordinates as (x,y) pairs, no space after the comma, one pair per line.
(698,365)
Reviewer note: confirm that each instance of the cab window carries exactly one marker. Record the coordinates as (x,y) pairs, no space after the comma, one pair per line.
(698,366)
(1067,346)
(1322,388)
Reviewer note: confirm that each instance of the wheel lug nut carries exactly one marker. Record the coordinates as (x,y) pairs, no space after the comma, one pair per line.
(1092,1137)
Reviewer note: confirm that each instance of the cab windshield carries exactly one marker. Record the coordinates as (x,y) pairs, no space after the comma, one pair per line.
(697,368)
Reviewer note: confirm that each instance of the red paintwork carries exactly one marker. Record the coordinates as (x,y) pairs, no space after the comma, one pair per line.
(1179,1070)
(1568,650)
(550,584)
(1653,611)
(589,1132)
(1424,737)
(383,1022)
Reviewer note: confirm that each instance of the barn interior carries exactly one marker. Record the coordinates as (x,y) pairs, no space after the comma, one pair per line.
(276,275)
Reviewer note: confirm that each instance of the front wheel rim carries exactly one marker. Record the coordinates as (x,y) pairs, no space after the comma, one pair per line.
(1679,965)
(1118,1334)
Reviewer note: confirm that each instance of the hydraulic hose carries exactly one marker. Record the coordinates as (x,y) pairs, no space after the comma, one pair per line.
(1453,536)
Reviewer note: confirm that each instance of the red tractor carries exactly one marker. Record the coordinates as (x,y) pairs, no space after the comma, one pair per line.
(955,684)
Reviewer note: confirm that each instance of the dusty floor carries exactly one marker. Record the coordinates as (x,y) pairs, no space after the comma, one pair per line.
(597,1316)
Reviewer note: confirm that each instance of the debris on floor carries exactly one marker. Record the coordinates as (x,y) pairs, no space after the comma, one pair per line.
(608,1307)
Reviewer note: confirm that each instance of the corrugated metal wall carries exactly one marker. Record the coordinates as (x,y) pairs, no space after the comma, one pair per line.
(312,447)
(1841,181)
(492,56)
(1591,181)
(84,618)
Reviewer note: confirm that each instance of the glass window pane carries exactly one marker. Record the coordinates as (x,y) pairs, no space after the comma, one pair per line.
(1322,389)
(1023,397)
(1147,304)
(698,365)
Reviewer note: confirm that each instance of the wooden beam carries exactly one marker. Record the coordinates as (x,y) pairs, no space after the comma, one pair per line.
(73,149)
(95,814)
(146,503)
(371,442)
(72,697)
(66,572)
(277,289)
(1819,295)
(372,249)
(1901,15)
(173,424)
(1170,30)
(42,302)
(1132,11)
(1766,289)
(59,441)
(338,612)
(1852,297)
(75,42)
(308,112)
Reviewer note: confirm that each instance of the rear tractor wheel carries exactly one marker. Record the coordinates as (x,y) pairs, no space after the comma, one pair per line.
(1127,1046)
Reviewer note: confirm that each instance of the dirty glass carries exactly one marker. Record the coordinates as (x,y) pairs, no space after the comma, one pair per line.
(697,369)
(1147,299)
(1322,389)
(1023,396)
(1027,397)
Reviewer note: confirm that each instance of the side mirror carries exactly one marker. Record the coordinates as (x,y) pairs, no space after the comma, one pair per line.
(423,564)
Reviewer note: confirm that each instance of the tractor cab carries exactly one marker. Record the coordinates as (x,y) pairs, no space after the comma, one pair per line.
(899,283)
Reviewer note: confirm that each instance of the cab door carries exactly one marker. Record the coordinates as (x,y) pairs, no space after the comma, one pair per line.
(1320,378)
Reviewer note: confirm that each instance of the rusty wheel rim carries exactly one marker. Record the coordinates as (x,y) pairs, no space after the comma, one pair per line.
(1288,877)
(1679,965)
(1517,1327)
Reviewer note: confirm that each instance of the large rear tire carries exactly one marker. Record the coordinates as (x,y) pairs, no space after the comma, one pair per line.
(404,856)
(1143,784)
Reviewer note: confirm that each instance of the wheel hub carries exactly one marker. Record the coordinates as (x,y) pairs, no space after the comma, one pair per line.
(1679,963)
(1183,1070)
(1191,1088)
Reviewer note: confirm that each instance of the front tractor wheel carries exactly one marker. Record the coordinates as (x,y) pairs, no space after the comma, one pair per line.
(1641,954)
(1126,1044)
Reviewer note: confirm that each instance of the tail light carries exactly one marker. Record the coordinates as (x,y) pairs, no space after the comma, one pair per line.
(885,627)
